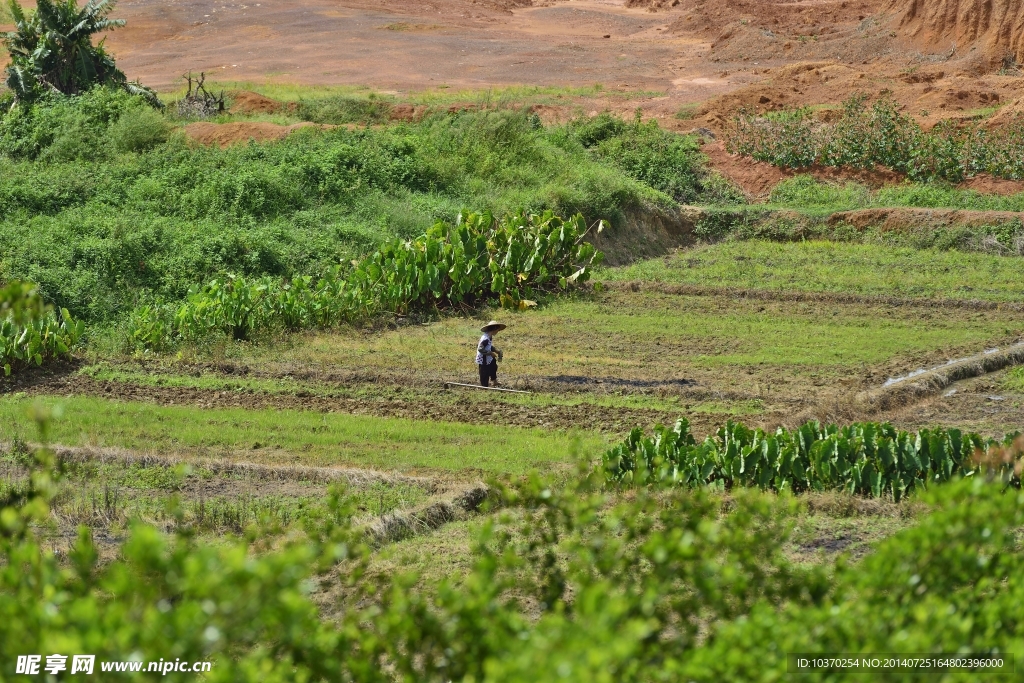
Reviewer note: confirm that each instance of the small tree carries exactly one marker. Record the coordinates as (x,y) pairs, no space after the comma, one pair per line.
(51,50)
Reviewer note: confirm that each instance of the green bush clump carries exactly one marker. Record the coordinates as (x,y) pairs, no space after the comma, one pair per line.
(881,135)
(579,584)
(139,130)
(664,160)
(340,110)
(866,458)
(513,261)
(59,128)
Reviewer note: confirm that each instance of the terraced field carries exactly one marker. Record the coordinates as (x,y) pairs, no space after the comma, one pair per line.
(769,351)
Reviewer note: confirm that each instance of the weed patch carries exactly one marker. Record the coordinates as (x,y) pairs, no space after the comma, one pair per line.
(881,135)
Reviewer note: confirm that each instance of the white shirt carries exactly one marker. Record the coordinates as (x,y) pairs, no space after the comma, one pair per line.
(484,347)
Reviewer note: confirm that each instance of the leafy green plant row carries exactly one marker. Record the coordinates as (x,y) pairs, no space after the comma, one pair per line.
(882,135)
(30,332)
(867,458)
(478,257)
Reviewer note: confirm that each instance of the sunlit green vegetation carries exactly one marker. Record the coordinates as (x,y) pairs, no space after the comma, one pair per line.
(869,458)
(103,215)
(805,192)
(881,134)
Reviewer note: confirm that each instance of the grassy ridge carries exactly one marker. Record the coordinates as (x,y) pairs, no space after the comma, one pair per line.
(805,192)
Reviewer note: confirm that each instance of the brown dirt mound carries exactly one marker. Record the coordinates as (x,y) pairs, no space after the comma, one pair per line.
(755,178)
(768,32)
(407,112)
(723,19)
(248,102)
(899,219)
(1007,115)
(957,96)
(652,5)
(788,87)
(994,26)
(986,184)
(225,134)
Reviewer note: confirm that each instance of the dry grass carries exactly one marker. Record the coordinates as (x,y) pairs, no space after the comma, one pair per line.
(350,476)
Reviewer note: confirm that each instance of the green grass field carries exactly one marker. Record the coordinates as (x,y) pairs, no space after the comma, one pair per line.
(835,267)
(300,437)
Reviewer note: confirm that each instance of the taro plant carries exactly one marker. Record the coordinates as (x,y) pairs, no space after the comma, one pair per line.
(865,458)
(512,261)
(30,332)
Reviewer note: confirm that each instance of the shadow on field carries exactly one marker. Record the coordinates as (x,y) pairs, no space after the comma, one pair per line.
(33,377)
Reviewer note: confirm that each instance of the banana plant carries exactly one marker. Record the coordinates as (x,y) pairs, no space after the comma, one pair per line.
(51,50)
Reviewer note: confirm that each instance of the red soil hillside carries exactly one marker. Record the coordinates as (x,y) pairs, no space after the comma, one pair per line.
(994,27)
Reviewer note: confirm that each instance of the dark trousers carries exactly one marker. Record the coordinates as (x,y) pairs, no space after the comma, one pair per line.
(488,371)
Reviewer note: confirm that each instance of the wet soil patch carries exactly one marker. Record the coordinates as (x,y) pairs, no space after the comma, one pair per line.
(830,545)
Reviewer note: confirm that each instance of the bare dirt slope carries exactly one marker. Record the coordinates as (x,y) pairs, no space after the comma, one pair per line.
(995,28)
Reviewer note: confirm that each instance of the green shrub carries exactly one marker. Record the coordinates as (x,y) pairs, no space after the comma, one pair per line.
(62,128)
(340,110)
(666,161)
(138,130)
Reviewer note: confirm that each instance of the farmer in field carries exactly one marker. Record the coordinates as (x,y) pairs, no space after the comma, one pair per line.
(487,356)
